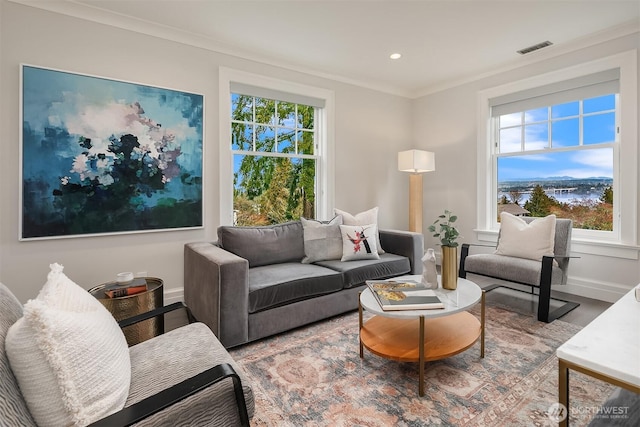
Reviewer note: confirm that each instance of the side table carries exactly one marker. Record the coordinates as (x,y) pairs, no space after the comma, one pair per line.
(424,335)
(608,349)
(131,305)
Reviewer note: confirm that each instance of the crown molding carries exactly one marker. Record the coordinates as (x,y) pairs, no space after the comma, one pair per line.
(612,33)
(95,14)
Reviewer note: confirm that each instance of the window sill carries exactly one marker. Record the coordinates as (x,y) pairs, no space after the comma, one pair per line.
(581,246)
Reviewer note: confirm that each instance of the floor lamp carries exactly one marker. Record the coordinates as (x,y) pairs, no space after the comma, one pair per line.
(416,162)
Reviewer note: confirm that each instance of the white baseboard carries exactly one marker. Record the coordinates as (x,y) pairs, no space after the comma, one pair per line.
(173,295)
(604,291)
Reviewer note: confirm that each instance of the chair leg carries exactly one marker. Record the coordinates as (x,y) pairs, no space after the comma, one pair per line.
(464,251)
(544,299)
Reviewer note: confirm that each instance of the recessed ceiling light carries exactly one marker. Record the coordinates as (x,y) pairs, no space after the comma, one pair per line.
(395,56)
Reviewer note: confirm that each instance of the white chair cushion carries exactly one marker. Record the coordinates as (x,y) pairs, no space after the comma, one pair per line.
(68,355)
(522,240)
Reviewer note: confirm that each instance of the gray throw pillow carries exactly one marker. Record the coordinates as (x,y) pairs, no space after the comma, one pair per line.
(322,239)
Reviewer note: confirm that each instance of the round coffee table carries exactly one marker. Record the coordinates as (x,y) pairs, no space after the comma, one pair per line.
(396,335)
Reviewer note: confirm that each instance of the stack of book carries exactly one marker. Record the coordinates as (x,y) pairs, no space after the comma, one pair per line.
(404,295)
(136,286)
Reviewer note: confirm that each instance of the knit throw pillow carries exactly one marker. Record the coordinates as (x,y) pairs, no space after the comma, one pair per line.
(68,355)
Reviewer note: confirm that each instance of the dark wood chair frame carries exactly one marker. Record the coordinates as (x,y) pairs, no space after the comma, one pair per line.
(164,399)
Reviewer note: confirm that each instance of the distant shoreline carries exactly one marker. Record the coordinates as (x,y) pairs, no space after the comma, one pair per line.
(563,189)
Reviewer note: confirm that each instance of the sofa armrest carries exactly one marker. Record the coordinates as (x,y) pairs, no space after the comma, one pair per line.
(216,288)
(405,243)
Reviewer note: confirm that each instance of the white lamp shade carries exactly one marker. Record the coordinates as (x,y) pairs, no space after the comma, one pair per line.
(416,161)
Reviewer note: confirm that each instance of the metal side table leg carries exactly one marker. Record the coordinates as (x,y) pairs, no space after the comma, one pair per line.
(421,357)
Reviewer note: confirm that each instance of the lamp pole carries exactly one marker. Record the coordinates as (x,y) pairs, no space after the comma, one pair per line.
(415,202)
(416,162)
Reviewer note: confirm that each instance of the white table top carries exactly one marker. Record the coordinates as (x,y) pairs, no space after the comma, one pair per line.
(464,297)
(609,345)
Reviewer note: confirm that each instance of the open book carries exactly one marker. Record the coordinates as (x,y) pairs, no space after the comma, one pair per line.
(404,295)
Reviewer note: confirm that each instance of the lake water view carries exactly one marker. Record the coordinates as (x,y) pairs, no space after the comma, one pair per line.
(565,190)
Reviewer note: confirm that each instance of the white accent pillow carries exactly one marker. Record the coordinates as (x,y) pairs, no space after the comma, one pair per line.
(526,240)
(358,242)
(362,218)
(69,355)
(322,240)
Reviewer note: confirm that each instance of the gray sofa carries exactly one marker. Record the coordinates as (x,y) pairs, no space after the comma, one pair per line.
(251,283)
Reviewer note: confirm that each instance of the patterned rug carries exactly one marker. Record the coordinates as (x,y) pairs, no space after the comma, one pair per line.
(313,376)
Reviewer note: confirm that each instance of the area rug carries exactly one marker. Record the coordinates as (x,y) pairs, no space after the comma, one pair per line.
(314,376)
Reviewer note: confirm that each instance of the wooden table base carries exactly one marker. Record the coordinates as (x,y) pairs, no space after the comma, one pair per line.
(442,337)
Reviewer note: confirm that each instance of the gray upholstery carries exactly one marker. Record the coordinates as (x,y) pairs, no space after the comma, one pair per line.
(354,273)
(511,268)
(280,319)
(551,270)
(278,284)
(214,406)
(406,244)
(622,409)
(264,245)
(241,302)
(523,270)
(156,364)
(13,409)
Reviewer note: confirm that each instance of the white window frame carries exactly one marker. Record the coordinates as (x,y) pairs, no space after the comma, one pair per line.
(620,244)
(324,128)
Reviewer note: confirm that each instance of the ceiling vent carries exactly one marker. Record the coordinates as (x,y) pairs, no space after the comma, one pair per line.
(534,47)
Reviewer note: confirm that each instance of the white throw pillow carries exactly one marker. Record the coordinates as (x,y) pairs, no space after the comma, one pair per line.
(362,218)
(526,240)
(69,355)
(358,242)
(322,240)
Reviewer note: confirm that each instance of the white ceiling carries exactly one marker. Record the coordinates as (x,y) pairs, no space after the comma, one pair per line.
(443,42)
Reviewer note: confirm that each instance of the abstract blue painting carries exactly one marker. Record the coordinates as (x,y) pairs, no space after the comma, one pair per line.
(105,156)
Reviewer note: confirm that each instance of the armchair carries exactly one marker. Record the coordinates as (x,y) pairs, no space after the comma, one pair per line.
(551,270)
(183,377)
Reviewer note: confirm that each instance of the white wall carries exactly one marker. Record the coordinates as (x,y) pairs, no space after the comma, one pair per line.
(447,120)
(370,128)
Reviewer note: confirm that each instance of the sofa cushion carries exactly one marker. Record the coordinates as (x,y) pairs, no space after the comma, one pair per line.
(69,355)
(359,242)
(354,273)
(275,285)
(322,239)
(264,245)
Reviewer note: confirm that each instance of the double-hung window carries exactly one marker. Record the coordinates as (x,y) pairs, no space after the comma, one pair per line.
(274,159)
(564,143)
(276,140)
(554,148)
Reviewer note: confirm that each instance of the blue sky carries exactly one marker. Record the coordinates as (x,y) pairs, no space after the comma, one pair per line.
(583,162)
(576,164)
